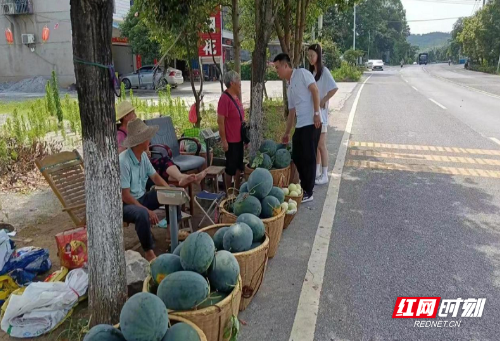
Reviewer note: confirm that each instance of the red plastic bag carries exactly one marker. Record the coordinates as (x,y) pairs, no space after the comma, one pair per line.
(72,248)
(192,114)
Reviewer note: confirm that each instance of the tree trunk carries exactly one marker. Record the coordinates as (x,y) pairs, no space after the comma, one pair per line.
(191,79)
(264,24)
(236,38)
(91,23)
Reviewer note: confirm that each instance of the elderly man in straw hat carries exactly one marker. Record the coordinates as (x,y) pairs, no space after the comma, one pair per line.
(165,167)
(135,170)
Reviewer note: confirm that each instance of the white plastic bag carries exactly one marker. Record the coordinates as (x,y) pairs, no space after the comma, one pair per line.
(43,305)
(5,248)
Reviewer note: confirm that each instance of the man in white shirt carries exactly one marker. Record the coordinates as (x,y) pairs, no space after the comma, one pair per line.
(303,104)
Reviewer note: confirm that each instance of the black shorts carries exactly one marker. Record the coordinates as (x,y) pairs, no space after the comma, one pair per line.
(234,158)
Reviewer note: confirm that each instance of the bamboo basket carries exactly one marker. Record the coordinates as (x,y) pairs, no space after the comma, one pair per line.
(274,225)
(288,219)
(297,199)
(252,263)
(212,320)
(176,319)
(281,177)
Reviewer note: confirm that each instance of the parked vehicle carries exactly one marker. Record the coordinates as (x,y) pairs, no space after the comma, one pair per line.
(378,65)
(143,77)
(423,58)
(369,63)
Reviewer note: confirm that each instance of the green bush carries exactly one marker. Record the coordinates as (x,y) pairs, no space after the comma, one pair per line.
(483,68)
(246,71)
(346,73)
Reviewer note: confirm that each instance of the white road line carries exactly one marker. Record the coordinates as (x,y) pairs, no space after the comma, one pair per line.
(437,103)
(489,94)
(304,324)
(414,88)
(497,141)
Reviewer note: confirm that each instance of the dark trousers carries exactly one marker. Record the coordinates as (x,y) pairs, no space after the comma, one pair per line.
(140,218)
(305,144)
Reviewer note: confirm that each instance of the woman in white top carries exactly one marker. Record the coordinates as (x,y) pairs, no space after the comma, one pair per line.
(327,88)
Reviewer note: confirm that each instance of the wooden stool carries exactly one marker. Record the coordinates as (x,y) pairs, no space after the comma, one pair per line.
(213,172)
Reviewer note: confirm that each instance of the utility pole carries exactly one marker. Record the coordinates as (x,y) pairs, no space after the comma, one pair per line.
(369,42)
(354,31)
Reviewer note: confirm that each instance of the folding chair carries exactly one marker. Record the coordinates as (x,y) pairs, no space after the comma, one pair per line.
(209,205)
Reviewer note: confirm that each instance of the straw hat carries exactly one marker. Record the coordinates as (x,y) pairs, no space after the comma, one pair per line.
(123,109)
(138,132)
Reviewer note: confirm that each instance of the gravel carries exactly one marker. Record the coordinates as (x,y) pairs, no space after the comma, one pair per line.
(29,85)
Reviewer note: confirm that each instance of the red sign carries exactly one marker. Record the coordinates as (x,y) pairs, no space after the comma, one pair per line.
(119,40)
(416,307)
(138,61)
(211,43)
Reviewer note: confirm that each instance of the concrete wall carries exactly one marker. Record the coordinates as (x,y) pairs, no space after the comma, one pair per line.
(18,62)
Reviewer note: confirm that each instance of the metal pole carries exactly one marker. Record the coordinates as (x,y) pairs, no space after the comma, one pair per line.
(369,43)
(354,31)
(174,227)
(498,65)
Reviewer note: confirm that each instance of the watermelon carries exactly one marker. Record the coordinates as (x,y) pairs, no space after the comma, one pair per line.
(197,252)
(104,332)
(178,249)
(244,187)
(268,147)
(218,237)
(282,159)
(181,332)
(255,245)
(267,163)
(281,146)
(164,265)
(278,194)
(224,271)
(238,238)
(183,290)
(247,204)
(214,298)
(260,183)
(144,317)
(255,223)
(270,205)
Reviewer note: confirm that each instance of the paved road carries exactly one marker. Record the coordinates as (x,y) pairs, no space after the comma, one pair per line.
(417,215)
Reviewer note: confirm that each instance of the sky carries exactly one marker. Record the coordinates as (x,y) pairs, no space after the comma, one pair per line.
(437,9)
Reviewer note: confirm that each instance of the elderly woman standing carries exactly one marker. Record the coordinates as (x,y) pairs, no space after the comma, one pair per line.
(230,117)
(327,88)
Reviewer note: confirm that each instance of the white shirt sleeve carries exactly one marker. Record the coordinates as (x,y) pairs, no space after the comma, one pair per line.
(308,77)
(291,105)
(329,82)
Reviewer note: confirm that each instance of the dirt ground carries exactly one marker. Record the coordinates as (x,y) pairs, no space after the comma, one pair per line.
(40,218)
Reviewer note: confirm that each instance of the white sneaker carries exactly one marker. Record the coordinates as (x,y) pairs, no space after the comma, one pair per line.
(321,180)
(307,198)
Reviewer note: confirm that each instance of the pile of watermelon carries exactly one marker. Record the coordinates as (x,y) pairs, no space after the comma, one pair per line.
(271,156)
(258,196)
(182,279)
(144,317)
(247,233)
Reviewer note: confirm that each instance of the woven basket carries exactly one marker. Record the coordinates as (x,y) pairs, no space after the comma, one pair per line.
(212,320)
(288,220)
(274,225)
(252,263)
(176,319)
(281,177)
(297,199)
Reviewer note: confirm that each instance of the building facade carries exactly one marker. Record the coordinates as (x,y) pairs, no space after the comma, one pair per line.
(28,56)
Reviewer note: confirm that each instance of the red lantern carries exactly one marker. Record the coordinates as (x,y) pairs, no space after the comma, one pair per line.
(45,34)
(8,36)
